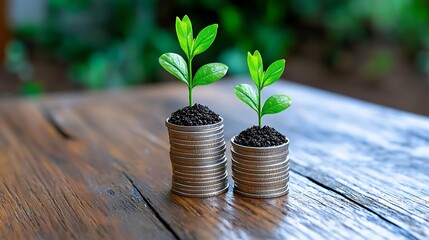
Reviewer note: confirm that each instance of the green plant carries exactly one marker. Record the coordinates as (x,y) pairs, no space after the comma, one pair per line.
(17,62)
(247,94)
(178,67)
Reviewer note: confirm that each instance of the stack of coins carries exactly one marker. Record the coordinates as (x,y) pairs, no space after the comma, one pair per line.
(260,172)
(198,159)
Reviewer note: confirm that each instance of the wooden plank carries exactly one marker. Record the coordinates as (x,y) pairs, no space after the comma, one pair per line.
(52,188)
(130,125)
(376,156)
(373,155)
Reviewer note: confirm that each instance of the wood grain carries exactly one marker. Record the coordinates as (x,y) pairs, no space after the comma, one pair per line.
(359,170)
(375,156)
(52,188)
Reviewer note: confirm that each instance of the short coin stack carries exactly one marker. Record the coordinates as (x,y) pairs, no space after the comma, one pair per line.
(260,172)
(198,159)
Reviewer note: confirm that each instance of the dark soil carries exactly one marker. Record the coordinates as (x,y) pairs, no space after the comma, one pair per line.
(194,116)
(260,137)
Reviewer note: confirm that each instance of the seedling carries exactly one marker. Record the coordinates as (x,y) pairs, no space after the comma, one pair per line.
(178,67)
(261,78)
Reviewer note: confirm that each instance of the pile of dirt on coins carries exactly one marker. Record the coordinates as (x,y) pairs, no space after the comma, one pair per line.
(194,116)
(260,137)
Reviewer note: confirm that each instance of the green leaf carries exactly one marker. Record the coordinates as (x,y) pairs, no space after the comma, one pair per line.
(258,57)
(247,94)
(274,72)
(184,34)
(209,73)
(205,39)
(176,65)
(276,104)
(254,62)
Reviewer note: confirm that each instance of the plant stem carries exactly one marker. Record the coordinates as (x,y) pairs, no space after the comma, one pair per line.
(190,81)
(260,107)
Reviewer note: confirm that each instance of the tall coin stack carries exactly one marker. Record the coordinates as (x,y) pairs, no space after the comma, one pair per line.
(198,159)
(260,172)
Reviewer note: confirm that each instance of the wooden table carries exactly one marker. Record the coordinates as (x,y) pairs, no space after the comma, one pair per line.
(96,166)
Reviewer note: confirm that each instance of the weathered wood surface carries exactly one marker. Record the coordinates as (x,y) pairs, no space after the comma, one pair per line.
(97,166)
(51,188)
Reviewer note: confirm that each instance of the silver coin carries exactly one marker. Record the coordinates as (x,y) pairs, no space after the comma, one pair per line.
(198,155)
(260,167)
(198,150)
(201,195)
(244,175)
(253,171)
(209,159)
(179,134)
(191,157)
(200,191)
(260,151)
(261,185)
(217,172)
(197,139)
(259,163)
(199,142)
(185,137)
(266,176)
(251,159)
(197,164)
(255,154)
(202,174)
(193,163)
(255,183)
(197,147)
(273,195)
(214,165)
(199,177)
(195,133)
(262,190)
(193,128)
(186,187)
(193,138)
(274,178)
(261,181)
(200,181)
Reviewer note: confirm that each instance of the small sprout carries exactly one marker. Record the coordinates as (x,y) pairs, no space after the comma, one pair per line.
(261,78)
(178,67)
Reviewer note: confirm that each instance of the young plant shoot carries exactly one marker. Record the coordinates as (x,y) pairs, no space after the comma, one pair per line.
(181,69)
(247,94)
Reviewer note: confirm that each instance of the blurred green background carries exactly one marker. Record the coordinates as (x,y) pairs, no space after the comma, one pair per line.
(357,47)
